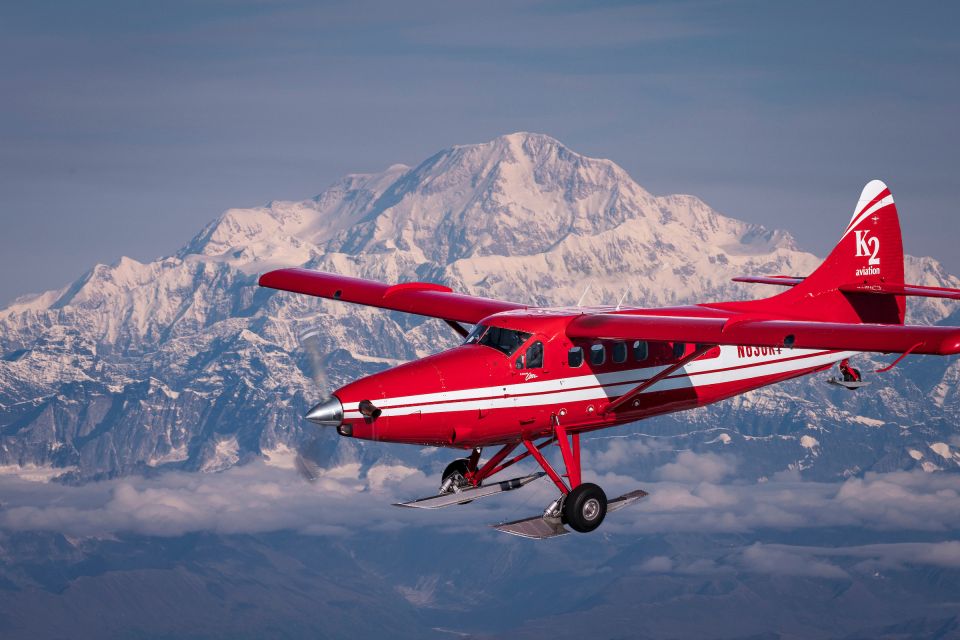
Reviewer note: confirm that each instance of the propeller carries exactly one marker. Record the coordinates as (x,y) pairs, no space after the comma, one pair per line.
(311,456)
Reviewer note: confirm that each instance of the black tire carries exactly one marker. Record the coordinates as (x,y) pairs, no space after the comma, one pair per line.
(585,507)
(460,465)
(457,466)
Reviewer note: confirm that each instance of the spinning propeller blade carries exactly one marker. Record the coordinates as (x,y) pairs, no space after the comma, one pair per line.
(312,456)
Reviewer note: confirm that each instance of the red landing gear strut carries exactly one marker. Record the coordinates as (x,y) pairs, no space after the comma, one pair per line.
(581,505)
(849,373)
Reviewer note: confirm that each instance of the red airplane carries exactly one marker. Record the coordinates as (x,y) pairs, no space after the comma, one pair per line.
(526,377)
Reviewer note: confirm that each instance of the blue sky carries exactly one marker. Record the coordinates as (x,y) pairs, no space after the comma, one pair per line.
(125,126)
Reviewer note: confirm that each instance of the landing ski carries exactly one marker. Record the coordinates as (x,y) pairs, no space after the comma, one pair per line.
(466,495)
(543,527)
(848,384)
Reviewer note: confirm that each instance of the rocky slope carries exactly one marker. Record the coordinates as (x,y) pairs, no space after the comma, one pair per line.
(185,363)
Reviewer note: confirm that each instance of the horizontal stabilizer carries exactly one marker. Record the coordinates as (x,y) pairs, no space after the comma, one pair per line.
(880,288)
(783,281)
(902,290)
(466,495)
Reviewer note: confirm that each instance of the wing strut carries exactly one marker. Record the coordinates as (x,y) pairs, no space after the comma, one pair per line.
(646,384)
(494,466)
(459,328)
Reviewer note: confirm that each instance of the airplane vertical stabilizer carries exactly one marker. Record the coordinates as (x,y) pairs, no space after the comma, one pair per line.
(868,255)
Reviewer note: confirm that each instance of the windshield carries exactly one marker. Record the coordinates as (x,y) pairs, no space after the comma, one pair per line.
(505,341)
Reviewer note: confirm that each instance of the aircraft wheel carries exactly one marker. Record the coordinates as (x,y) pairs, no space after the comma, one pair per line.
(585,507)
(457,466)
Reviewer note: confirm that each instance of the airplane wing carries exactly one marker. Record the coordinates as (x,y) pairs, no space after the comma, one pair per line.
(883,338)
(421,298)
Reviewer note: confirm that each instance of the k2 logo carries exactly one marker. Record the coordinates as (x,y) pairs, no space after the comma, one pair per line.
(868,245)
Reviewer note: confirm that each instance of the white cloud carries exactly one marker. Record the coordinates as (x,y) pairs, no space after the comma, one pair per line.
(251,498)
(907,501)
(657,564)
(764,559)
(258,497)
(624,450)
(885,556)
(694,467)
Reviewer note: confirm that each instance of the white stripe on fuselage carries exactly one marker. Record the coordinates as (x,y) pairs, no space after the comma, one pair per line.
(605,385)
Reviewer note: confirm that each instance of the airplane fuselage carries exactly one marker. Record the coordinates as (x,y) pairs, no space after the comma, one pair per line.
(476,394)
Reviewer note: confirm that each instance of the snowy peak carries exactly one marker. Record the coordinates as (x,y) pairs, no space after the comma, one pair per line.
(284,233)
(519,194)
(184,361)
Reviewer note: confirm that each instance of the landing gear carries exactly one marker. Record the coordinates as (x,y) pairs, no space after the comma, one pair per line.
(584,507)
(454,477)
(457,466)
(581,505)
(849,373)
(458,474)
(850,377)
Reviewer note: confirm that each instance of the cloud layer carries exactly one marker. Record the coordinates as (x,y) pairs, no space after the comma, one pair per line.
(695,493)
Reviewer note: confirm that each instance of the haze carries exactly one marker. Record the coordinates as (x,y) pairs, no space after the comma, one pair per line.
(124,127)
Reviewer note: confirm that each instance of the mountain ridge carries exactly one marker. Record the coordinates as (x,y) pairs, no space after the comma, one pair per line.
(521,217)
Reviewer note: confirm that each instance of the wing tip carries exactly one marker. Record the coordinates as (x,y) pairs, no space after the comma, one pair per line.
(270,278)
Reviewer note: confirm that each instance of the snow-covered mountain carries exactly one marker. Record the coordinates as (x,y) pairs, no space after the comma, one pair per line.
(185,363)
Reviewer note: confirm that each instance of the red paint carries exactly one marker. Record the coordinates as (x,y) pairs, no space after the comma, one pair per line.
(475,396)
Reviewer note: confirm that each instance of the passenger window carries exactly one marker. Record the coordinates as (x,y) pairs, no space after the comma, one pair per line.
(640,350)
(619,352)
(575,357)
(598,354)
(535,355)
(679,348)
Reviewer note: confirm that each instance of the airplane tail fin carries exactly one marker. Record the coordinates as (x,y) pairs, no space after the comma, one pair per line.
(850,285)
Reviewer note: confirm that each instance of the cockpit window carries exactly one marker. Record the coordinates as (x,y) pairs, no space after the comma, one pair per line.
(506,341)
(474,334)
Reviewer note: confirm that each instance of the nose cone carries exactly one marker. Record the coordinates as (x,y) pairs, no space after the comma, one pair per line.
(328,413)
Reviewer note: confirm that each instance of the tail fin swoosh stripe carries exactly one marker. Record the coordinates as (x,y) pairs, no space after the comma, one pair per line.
(866,214)
(883,195)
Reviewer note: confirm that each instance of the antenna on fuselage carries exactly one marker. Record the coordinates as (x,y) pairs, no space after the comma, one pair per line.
(584,295)
(622,298)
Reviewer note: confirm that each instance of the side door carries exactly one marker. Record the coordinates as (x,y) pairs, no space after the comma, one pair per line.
(530,373)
